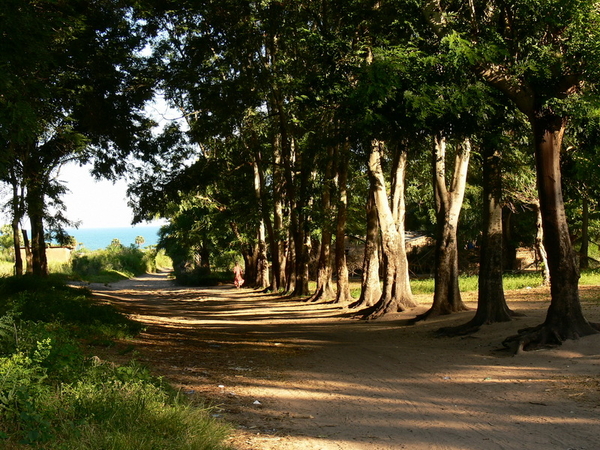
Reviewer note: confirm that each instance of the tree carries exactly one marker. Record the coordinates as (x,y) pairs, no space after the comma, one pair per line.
(71,81)
(491,303)
(396,294)
(448,201)
(540,55)
(580,163)
(139,240)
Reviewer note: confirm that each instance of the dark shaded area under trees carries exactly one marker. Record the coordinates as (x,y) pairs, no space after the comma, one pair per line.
(304,124)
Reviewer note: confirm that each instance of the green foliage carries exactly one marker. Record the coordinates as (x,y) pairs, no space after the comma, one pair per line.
(200,276)
(53,396)
(93,407)
(6,244)
(6,237)
(129,261)
(49,300)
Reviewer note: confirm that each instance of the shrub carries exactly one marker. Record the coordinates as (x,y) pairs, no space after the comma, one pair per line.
(201,276)
(49,300)
(95,409)
(130,261)
(53,396)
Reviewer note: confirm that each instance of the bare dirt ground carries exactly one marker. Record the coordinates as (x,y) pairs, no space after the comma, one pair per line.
(297,376)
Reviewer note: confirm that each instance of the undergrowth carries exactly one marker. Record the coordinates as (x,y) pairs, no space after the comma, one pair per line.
(113,263)
(53,395)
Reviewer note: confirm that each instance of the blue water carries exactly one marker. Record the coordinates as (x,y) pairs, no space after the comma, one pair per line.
(99,238)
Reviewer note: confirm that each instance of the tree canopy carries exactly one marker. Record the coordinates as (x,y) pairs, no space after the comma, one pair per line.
(308,126)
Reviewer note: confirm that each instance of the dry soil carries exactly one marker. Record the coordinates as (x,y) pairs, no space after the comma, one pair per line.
(296,376)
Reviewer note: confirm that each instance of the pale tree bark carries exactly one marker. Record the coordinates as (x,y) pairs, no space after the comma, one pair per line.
(324,289)
(446,298)
(28,253)
(540,249)
(278,235)
(278,249)
(262,262)
(370,291)
(396,293)
(341,266)
(491,303)
(17,215)
(299,236)
(266,230)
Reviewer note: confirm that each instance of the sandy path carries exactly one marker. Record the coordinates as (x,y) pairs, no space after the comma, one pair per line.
(294,376)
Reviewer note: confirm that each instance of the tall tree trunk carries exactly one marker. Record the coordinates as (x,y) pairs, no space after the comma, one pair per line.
(290,160)
(564,319)
(297,202)
(262,260)
(370,291)
(324,289)
(584,262)
(402,283)
(540,248)
(446,298)
(341,266)
(262,263)
(17,248)
(278,244)
(35,210)
(28,253)
(491,303)
(395,297)
(17,216)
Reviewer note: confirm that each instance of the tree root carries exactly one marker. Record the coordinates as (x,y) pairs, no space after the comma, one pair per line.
(433,312)
(475,324)
(543,336)
(460,330)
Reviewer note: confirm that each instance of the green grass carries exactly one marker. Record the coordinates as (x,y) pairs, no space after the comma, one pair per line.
(54,396)
(469,283)
(6,268)
(590,277)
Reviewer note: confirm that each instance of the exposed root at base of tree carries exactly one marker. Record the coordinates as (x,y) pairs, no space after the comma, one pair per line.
(460,330)
(434,312)
(545,336)
(474,325)
(360,305)
(378,310)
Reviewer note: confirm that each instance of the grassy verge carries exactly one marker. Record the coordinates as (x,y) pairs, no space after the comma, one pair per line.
(469,283)
(53,395)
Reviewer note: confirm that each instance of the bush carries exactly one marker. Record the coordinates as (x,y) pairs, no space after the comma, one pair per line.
(129,261)
(53,396)
(94,410)
(50,300)
(201,276)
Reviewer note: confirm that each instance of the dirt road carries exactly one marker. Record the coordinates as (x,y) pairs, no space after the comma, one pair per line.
(294,376)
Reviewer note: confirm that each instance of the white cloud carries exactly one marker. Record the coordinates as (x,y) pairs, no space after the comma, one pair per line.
(97,204)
